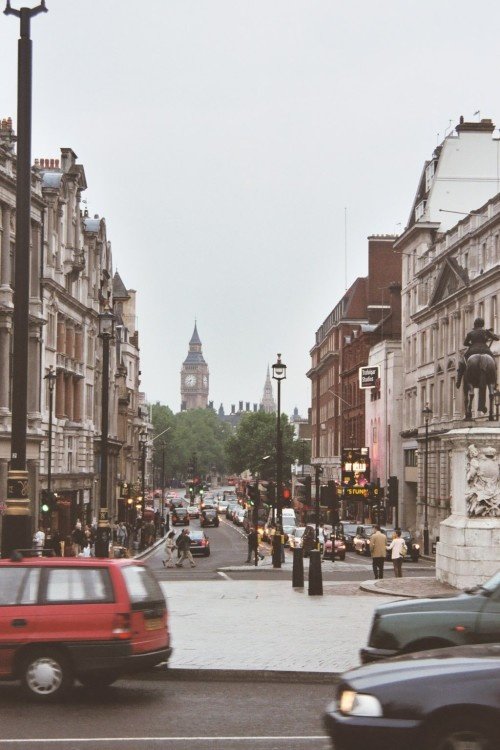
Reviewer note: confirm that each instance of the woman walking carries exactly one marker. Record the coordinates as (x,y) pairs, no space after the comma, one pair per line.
(169,550)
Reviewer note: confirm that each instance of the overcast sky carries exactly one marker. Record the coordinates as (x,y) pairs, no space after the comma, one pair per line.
(223,141)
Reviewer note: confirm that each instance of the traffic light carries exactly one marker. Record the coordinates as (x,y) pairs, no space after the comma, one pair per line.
(287,496)
(392,491)
(307,484)
(48,502)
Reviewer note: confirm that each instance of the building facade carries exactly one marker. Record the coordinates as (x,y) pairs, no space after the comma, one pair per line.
(71,284)
(451,275)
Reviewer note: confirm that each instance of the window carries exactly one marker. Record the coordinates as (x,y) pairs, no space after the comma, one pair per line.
(451,394)
(495,247)
(89,401)
(19,586)
(431,344)
(480,310)
(90,350)
(493,313)
(482,257)
(71,585)
(423,348)
(141,586)
(411,457)
(441,397)
(51,330)
(70,455)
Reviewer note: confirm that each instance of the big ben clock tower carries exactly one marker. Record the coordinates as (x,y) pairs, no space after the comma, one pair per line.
(194,376)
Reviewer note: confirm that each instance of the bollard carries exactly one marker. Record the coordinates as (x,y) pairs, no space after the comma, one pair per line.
(298,569)
(276,551)
(315,576)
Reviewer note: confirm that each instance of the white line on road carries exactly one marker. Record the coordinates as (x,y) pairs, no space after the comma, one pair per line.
(223,575)
(286,738)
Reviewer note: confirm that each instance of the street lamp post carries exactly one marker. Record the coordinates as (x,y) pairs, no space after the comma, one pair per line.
(279,374)
(106,332)
(143,440)
(427,412)
(496,401)
(16,526)
(50,377)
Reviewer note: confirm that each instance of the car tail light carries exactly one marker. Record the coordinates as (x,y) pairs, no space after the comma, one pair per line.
(121,626)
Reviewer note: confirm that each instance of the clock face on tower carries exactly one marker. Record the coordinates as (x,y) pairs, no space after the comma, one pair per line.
(205,381)
(190,380)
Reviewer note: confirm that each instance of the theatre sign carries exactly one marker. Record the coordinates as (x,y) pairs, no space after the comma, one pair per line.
(369,376)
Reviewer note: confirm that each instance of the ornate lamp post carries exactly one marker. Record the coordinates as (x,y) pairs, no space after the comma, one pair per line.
(427,412)
(279,374)
(496,401)
(106,332)
(50,377)
(143,441)
(16,526)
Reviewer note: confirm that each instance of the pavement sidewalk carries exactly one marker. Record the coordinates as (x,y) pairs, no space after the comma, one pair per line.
(260,626)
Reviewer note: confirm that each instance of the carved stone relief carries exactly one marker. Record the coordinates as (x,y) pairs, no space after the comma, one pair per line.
(483,482)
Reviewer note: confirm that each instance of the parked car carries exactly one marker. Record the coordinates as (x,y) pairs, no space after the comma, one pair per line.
(334,547)
(209,517)
(472,616)
(193,511)
(445,699)
(180,516)
(348,532)
(229,510)
(361,542)
(199,543)
(239,515)
(222,505)
(85,618)
(413,549)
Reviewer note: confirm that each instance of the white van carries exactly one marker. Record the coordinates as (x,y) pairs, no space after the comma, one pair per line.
(289,519)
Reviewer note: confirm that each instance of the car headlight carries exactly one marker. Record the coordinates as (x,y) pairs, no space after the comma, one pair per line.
(359,704)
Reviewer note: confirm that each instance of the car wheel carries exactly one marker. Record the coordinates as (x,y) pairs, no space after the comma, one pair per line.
(459,733)
(207,553)
(98,679)
(46,674)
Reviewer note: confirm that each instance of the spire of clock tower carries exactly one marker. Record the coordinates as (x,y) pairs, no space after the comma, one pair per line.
(194,376)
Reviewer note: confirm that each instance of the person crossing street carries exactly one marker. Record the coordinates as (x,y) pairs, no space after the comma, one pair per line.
(184,547)
(378,550)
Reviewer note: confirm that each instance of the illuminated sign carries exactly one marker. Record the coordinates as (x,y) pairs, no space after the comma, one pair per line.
(355,467)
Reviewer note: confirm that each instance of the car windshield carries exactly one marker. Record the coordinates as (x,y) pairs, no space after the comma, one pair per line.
(492,584)
(349,528)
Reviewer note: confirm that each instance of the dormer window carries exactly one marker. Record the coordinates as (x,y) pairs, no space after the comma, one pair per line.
(420,210)
(429,175)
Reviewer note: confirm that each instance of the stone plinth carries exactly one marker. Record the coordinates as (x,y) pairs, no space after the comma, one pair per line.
(468,551)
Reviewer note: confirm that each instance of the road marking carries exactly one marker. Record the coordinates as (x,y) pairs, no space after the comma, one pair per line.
(223,575)
(284,738)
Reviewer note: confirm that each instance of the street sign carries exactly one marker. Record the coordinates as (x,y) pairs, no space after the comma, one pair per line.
(368,376)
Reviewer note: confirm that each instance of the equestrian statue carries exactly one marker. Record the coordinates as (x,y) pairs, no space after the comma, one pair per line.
(477,368)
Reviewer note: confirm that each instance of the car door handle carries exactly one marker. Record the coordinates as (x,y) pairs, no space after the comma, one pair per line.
(19,623)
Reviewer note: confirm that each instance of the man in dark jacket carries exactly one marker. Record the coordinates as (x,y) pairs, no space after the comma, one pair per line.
(184,546)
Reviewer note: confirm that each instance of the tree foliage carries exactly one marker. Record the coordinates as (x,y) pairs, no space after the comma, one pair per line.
(195,436)
(253,445)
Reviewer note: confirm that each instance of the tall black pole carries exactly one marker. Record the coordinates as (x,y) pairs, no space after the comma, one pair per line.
(50,376)
(426,488)
(318,472)
(162,479)
(279,463)
(143,472)
(103,531)
(16,527)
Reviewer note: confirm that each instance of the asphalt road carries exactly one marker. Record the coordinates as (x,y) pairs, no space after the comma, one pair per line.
(170,715)
(228,548)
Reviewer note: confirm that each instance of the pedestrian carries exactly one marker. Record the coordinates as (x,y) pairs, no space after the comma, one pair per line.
(77,538)
(121,535)
(378,550)
(253,545)
(56,543)
(397,546)
(39,541)
(169,551)
(184,545)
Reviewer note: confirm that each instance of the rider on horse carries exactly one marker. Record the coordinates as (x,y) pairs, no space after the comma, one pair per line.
(477,342)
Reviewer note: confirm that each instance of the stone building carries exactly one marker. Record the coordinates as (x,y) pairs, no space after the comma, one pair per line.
(268,404)
(451,275)
(71,283)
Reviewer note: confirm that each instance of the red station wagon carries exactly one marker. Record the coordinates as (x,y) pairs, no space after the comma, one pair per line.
(89,619)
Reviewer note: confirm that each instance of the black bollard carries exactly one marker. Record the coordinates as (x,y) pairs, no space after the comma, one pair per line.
(276,551)
(315,576)
(298,569)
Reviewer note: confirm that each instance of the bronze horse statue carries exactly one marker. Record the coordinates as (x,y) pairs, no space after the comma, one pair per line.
(481,373)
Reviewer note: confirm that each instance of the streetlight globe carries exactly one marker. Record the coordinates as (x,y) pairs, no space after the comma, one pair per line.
(279,369)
